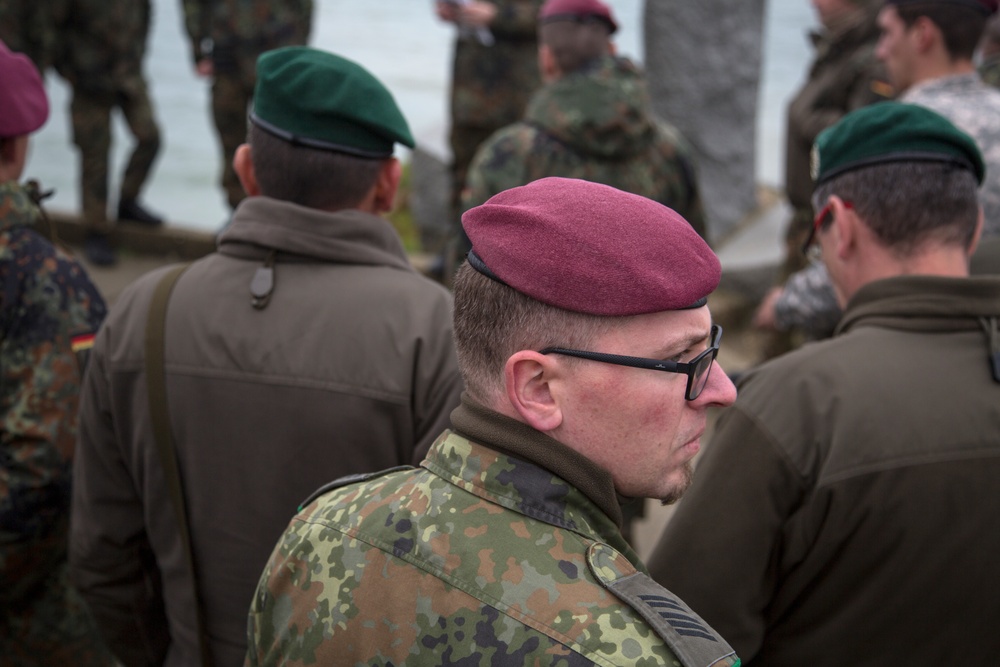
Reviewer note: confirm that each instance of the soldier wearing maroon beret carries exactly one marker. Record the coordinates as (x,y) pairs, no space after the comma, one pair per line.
(49,312)
(589,359)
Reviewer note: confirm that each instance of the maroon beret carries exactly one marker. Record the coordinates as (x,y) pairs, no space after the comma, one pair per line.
(987,7)
(23,105)
(556,10)
(590,248)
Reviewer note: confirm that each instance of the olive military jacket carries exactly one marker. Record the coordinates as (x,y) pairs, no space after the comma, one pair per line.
(845,75)
(596,124)
(482,557)
(852,491)
(349,367)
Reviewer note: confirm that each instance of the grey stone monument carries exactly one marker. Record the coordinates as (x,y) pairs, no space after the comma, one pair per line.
(703,60)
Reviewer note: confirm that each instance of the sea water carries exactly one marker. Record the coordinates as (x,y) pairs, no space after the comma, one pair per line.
(401,42)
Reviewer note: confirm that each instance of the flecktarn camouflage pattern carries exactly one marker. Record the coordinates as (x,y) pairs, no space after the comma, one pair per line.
(49,311)
(233,34)
(475,559)
(596,124)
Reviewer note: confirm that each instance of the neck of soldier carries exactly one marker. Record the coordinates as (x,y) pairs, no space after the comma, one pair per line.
(940,65)
(877,262)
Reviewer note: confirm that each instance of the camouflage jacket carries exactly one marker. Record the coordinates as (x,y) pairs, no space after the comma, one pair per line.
(989,70)
(100,45)
(243,29)
(49,309)
(975,108)
(845,75)
(477,558)
(596,124)
(491,84)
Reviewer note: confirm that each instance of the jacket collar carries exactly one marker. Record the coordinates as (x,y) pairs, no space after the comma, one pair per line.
(348,237)
(923,302)
(517,439)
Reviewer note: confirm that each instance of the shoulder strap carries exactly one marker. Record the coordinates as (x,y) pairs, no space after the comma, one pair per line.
(691,639)
(156,386)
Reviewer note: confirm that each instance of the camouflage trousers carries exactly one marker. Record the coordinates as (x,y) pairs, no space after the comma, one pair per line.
(91,117)
(231,96)
(52,626)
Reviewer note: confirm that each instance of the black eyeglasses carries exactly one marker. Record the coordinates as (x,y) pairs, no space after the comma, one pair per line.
(697,369)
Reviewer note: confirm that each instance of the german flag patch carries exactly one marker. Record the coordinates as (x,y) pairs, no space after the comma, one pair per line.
(81,346)
(82,343)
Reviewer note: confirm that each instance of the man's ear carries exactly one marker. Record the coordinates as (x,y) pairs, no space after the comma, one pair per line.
(528,376)
(13,155)
(927,34)
(844,227)
(386,185)
(243,166)
(978,233)
(547,66)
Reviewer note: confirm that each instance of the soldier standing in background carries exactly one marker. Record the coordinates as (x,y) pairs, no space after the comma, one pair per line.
(844,75)
(100,51)
(26,27)
(591,120)
(226,39)
(989,46)
(494,73)
(305,348)
(49,311)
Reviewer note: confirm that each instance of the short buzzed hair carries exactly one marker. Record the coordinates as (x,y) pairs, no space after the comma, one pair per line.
(575,43)
(960,26)
(315,178)
(907,204)
(493,321)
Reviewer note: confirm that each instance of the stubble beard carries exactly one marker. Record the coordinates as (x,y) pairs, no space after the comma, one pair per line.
(674,494)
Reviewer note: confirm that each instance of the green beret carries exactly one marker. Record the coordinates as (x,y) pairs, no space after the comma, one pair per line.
(892,132)
(316,99)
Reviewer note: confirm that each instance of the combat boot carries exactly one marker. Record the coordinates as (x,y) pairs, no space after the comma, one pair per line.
(133,211)
(98,251)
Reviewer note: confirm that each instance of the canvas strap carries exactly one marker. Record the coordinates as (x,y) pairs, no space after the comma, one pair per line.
(156,384)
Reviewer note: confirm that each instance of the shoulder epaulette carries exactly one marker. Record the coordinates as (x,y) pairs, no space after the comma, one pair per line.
(349,479)
(691,639)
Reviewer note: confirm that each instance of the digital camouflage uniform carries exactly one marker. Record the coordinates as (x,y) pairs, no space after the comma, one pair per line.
(99,52)
(975,109)
(48,307)
(989,70)
(232,33)
(491,85)
(595,124)
(844,75)
(477,558)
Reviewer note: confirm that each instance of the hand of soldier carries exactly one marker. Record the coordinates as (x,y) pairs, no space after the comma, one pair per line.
(446,11)
(764,318)
(477,14)
(205,67)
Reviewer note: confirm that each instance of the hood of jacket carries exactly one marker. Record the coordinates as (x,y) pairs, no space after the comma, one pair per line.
(603,110)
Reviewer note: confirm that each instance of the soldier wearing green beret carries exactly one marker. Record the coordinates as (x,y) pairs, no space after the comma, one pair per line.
(588,353)
(305,348)
(927,47)
(851,488)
